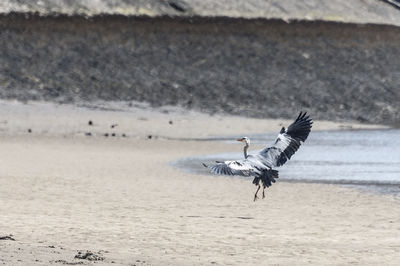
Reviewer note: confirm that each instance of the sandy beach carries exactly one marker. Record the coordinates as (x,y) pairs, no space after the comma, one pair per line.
(63,191)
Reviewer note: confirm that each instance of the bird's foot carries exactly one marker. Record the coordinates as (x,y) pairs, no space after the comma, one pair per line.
(255,197)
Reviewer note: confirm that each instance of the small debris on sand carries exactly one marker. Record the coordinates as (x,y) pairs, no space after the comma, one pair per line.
(149,136)
(7,238)
(123,135)
(90,123)
(68,263)
(88,255)
(114,125)
(106,135)
(113,135)
(88,134)
(29,130)
(170,122)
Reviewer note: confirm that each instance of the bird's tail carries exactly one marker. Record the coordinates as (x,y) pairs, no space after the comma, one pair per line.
(267,177)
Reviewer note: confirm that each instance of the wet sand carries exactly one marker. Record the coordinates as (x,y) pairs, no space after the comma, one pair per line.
(118,197)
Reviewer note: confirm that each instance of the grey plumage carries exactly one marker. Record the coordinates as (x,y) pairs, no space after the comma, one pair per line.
(260,164)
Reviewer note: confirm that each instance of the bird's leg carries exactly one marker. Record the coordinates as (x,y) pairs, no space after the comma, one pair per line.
(263,192)
(255,195)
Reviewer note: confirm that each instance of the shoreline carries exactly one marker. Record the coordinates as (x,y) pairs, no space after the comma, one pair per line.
(63,192)
(385,188)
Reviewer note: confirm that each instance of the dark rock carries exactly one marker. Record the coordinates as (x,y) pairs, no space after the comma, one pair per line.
(88,255)
(9,237)
(361,119)
(176,5)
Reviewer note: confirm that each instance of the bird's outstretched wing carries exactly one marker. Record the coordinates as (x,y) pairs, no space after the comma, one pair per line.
(239,167)
(288,141)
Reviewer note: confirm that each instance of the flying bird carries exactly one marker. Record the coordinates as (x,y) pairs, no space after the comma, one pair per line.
(261,164)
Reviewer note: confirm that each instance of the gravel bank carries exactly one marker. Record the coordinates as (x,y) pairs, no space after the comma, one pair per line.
(257,68)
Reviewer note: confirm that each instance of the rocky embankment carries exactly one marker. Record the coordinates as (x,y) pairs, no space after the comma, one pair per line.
(250,67)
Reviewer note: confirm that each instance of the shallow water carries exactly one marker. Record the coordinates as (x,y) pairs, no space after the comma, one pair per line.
(354,157)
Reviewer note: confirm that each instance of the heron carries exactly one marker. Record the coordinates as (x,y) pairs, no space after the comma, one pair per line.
(261,164)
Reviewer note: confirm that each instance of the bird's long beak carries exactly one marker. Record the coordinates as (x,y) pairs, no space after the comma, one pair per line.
(240,139)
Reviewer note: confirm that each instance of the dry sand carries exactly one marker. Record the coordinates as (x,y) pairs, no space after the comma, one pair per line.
(136,120)
(61,192)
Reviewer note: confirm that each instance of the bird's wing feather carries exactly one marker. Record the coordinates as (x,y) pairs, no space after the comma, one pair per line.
(287,142)
(239,167)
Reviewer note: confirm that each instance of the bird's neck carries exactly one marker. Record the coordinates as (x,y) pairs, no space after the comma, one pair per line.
(245,150)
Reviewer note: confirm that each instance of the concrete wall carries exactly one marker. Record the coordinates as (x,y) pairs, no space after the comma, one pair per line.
(260,68)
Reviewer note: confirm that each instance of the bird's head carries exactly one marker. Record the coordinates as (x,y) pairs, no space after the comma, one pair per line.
(245,140)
